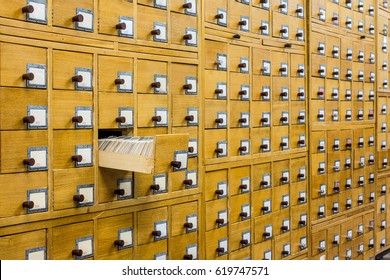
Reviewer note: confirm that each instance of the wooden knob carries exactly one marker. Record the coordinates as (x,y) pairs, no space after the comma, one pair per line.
(347,186)
(301,142)
(284,203)
(187,37)
(288,45)
(188,182)
(119,192)
(264,208)
(28,76)
(28,204)
(283,31)
(219,151)
(284,228)
(320,169)
(264,120)
(266,234)
(188,257)
(283,94)
(78,198)
(335,209)
(156,118)
(334,74)
(219,192)
(119,243)
(28,9)
(29,161)
(300,34)
(243,187)
(244,242)
(321,71)
(242,120)
(336,146)
(301,199)
(285,252)
(121,26)
(335,18)
(243,214)
(298,11)
(302,223)
(188,225)
(78,18)
(264,146)
(320,48)
(155,187)
(156,233)
(237,36)
(218,91)
(282,144)
(263,27)
(220,221)
(219,120)
(242,92)
(190,149)
(264,93)
(263,183)
(348,22)
(77,119)
(155,85)
(176,164)
(220,250)
(283,69)
(320,213)
(119,81)
(219,16)
(242,23)
(187,86)
(187,6)
(77,158)
(320,93)
(29,119)
(120,119)
(282,6)
(283,119)
(156,32)
(77,79)
(336,189)
(77,252)
(242,65)
(189,118)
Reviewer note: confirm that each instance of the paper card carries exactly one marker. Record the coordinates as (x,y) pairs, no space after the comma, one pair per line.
(360,75)
(303,218)
(383,189)
(284,10)
(161,256)
(322,189)
(246,2)
(247,95)
(160,4)
(246,181)
(246,236)
(371,241)
(384,145)
(39,14)
(336,21)
(163,80)
(192,175)
(362,160)
(126,185)
(285,141)
(181,156)
(302,137)
(348,162)
(265,31)
(192,250)
(128,114)
(301,11)
(286,223)
(129,30)
(285,115)
(336,144)
(163,37)
(321,167)
(266,69)
(193,219)
(245,115)
(86,84)
(286,174)
(348,115)
(335,206)
(284,35)
(349,181)
(86,152)
(223,214)
(223,116)
(39,197)
(348,254)
(193,143)
(322,14)
(222,62)
(286,198)
(371,10)
(302,194)
(268,255)
(223,243)
(350,234)
(163,113)
(383,242)
(322,245)
(86,245)
(193,112)
(40,115)
(193,81)
(266,178)
(245,143)
(161,181)
(301,73)
(265,5)
(245,27)
(268,229)
(285,90)
(336,167)
(194,37)
(267,143)
(267,117)
(383,224)
(372,77)
(88,192)
(223,186)
(321,48)
(321,115)
(372,59)
(36,254)
(128,85)
(222,21)
(40,76)
(87,23)
(127,236)
(360,26)
(246,208)
(286,248)
(39,154)
(303,243)
(301,94)
(349,203)
(222,145)
(267,203)
(193,9)
(301,39)
(321,146)
(284,73)
(223,87)
(383,207)
(161,226)
(86,114)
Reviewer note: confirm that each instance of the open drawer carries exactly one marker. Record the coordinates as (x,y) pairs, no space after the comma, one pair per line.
(152,155)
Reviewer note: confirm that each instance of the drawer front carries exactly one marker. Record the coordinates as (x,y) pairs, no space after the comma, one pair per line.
(216,56)
(114,185)
(239,180)
(299,240)
(113,108)
(20,11)
(152,77)
(216,139)
(319,242)
(241,236)
(242,254)
(152,225)
(216,82)
(75,241)
(189,7)
(25,146)
(185,111)
(186,79)
(113,69)
(217,243)
(264,229)
(114,13)
(155,19)
(22,246)
(184,218)
(185,247)
(184,30)
(69,184)
(217,214)
(240,208)
(239,142)
(282,246)
(262,202)
(63,16)
(263,251)
(153,106)
(212,9)
(153,251)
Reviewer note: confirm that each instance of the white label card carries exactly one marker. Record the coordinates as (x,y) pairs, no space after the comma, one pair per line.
(223,186)
(40,115)
(86,114)
(36,254)
(223,215)
(163,228)
(87,23)
(222,62)
(222,145)
(223,87)
(86,245)
(193,9)
(39,14)
(127,186)
(193,81)
(192,250)
(127,236)
(127,77)
(161,181)
(163,80)
(39,197)
(160,4)
(194,37)
(223,243)
(128,114)
(86,83)
(223,116)
(163,113)
(193,112)
(193,219)
(163,37)
(88,192)
(129,30)
(161,257)
(86,153)
(182,157)
(222,21)
(40,157)
(39,71)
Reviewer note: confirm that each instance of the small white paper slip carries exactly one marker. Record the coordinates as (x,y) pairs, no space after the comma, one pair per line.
(39,72)
(37,254)
(224,216)
(87,192)
(86,246)
(163,113)
(182,156)
(40,200)
(222,186)
(86,113)
(162,182)
(86,153)
(223,116)
(192,175)
(127,237)
(163,228)
(160,3)
(268,255)
(194,37)
(87,78)
(40,157)
(247,236)
(223,87)
(129,30)
(222,145)
(87,23)
(223,243)
(193,219)
(39,13)
(193,250)
(128,85)
(161,257)
(162,79)
(163,32)
(194,85)
(40,115)
(126,185)
(128,114)
(222,59)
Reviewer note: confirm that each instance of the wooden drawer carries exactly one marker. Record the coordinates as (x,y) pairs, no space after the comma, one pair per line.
(152,225)
(74,241)
(299,240)
(25,145)
(185,107)
(184,218)
(114,13)
(239,142)
(112,70)
(282,246)
(299,218)
(153,251)
(186,79)
(262,116)
(23,66)
(72,143)
(260,17)
(72,71)
(241,236)
(153,105)
(239,180)
(217,242)
(29,103)
(242,254)
(281,197)
(145,184)
(238,59)
(318,85)
(22,246)
(184,247)
(239,87)
(216,52)
(261,62)
(156,19)
(184,30)
(316,10)
(319,242)
(217,214)
(152,77)
(20,11)
(216,85)
(261,136)
(239,12)
(281,22)
(20,190)
(115,238)
(113,108)
(318,209)
(263,251)
(260,173)
(264,228)
(298,138)
(69,184)
(63,16)
(216,139)
(262,202)
(298,193)
(217,182)
(113,183)
(189,7)
(240,208)
(280,140)
(213,8)
(280,169)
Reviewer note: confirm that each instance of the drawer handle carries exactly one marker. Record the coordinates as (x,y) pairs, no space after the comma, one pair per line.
(188,225)
(264,94)
(121,26)
(301,199)
(383,192)
(78,197)
(382,209)
(336,189)
(284,203)
(119,192)
(282,69)
(264,120)
(190,149)
(335,52)
(320,93)
(187,37)
(283,31)
(301,142)
(119,81)
(29,161)
(156,118)
(120,119)
(219,151)
(242,65)
(266,234)
(119,243)
(320,48)
(284,253)
(321,169)
(155,187)
(372,245)
(219,192)
(371,161)
(320,213)
(301,117)
(265,208)
(383,227)
(187,86)
(371,28)
(243,187)
(360,56)
(335,73)
(219,16)
(78,18)
(321,249)
(299,35)
(219,120)
(244,242)
(77,158)
(218,91)
(264,183)
(263,27)
(188,182)
(347,186)
(28,9)
(244,214)
(176,164)
(282,144)
(283,119)
(237,36)
(28,204)
(155,85)
(187,6)
(360,26)
(77,78)
(348,116)
(220,221)
(243,120)
(284,93)
(288,45)
(77,119)
(336,147)
(242,92)
(335,209)
(335,18)
(29,119)
(264,146)
(220,250)
(188,257)
(298,11)
(284,228)
(156,32)
(77,252)
(302,223)
(189,118)
(320,116)
(263,1)
(348,22)
(28,76)
(242,23)
(282,6)
(349,75)
(156,233)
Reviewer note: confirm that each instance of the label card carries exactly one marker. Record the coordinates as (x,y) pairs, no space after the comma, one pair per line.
(194,37)
(246,208)
(40,115)
(86,152)
(127,77)
(128,114)
(39,14)
(161,181)
(222,145)
(39,154)
(129,30)
(127,236)
(193,9)
(245,27)
(223,87)
(87,23)
(36,254)
(86,83)
(163,37)
(161,256)
(40,76)
(86,245)
(88,192)
(86,114)
(127,186)
(161,226)
(223,243)
(193,81)
(193,251)
(247,182)
(222,21)
(163,113)
(223,186)
(39,197)
(193,112)
(160,4)
(268,229)
(245,143)
(222,62)
(223,215)
(192,175)
(193,219)
(163,80)
(193,144)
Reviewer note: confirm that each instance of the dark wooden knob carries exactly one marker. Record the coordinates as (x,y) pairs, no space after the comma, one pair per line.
(187,6)
(300,34)
(371,245)
(320,93)
(266,234)
(121,26)
(282,69)
(189,118)
(265,208)
(77,158)
(188,182)
(264,120)
(301,199)
(219,16)
(188,225)
(156,118)
(77,252)
(220,250)
(348,22)
(187,37)
(285,252)
(28,9)
(360,201)
(119,192)
(284,228)
(336,189)
(29,161)
(347,186)
(348,205)
(335,73)
(302,223)
(242,65)
(220,221)
(283,94)
(156,32)
(187,86)
(263,27)
(28,76)
(242,23)
(320,116)
(243,214)
(218,91)
(77,119)
(335,209)
(156,233)
(383,227)
(219,192)
(242,120)
(155,85)
(155,187)
(29,119)
(335,18)
(243,187)
(336,146)
(237,36)
(284,203)
(119,81)
(264,146)
(243,149)
(301,142)
(119,243)
(383,192)
(320,48)
(176,164)
(28,204)
(320,213)
(282,144)
(321,169)
(219,151)
(219,120)
(335,242)
(190,149)
(288,45)
(120,119)
(188,257)
(77,79)
(264,93)
(321,71)
(78,198)
(242,92)
(283,31)
(244,242)
(283,119)
(263,183)
(78,18)
(298,11)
